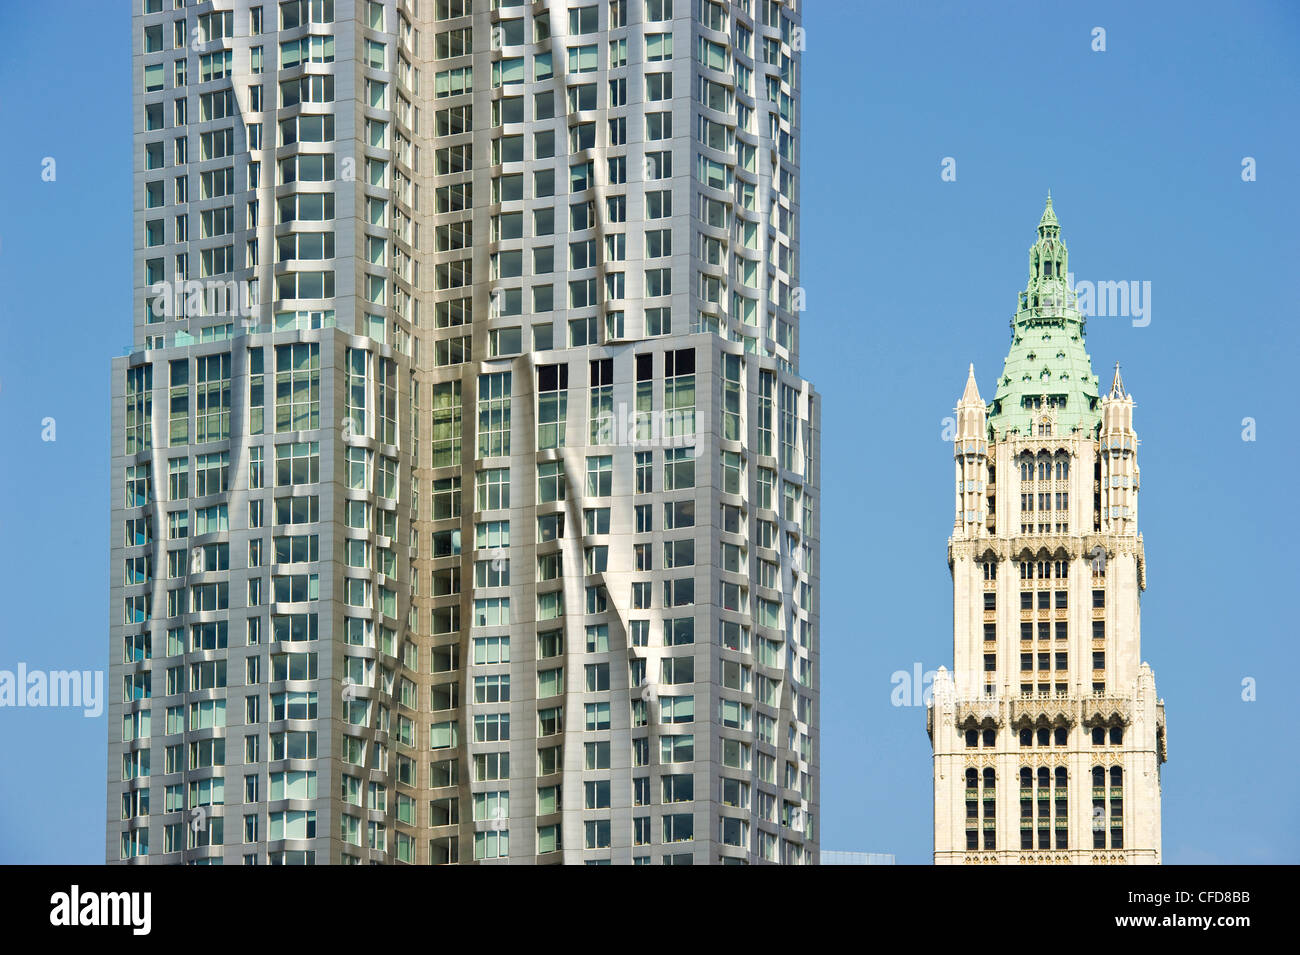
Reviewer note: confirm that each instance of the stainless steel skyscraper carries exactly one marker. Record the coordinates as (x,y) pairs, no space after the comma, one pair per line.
(464,484)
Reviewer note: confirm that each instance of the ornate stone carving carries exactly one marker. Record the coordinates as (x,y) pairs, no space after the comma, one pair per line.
(1106,711)
(981,714)
(1040,713)
(1049,547)
(1108,858)
(1044,858)
(1047,759)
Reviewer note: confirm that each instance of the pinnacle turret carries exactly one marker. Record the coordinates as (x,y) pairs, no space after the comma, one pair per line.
(971,417)
(1117,386)
(972,392)
(1048,227)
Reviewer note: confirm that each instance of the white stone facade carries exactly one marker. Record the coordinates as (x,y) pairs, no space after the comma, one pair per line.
(1047,734)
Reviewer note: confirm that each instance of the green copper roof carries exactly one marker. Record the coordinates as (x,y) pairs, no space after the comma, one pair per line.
(1047,365)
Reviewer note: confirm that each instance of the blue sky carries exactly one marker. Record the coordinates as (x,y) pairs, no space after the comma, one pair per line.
(909,279)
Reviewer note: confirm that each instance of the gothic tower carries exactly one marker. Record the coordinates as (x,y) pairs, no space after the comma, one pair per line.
(1047,734)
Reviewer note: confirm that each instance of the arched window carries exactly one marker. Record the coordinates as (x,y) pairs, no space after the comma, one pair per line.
(1116,807)
(972,809)
(1026,807)
(1062,809)
(989,810)
(1062,467)
(1098,807)
(972,802)
(1044,825)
